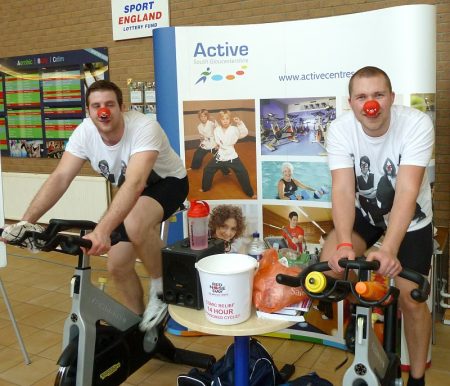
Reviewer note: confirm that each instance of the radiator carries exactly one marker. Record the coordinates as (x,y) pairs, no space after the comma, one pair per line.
(86,199)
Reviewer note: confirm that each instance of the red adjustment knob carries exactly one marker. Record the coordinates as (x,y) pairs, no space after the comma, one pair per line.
(103,113)
(371,108)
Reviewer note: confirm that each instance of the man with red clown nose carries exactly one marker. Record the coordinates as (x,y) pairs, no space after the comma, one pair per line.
(131,150)
(397,143)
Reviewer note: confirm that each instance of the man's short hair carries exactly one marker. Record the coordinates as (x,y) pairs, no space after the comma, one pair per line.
(292,214)
(104,85)
(368,72)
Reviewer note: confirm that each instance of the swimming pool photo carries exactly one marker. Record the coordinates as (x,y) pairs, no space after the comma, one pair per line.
(315,175)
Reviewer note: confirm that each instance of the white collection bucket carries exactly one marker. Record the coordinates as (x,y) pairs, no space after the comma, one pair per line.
(227,284)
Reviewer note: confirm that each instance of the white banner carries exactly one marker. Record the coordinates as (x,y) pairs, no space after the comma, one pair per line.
(133,19)
(307,57)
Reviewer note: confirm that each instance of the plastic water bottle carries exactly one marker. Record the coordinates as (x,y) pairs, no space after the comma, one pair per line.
(256,247)
(198,224)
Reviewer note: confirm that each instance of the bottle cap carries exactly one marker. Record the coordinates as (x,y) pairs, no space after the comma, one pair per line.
(315,282)
(198,209)
(255,235)
(361,288)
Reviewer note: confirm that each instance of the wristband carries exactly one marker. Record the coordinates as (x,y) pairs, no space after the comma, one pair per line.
(344,245)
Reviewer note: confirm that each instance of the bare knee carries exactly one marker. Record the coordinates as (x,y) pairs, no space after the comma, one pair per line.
(411,308)
(121,261)
(141,235)
(120,270)
(143,223)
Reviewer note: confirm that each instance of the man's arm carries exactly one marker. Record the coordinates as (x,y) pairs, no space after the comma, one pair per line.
(138,170)
(54,187)
(343,212)
(343,203)
(409,180)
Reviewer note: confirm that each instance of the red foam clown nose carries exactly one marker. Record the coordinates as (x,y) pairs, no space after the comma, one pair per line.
(371,108)
(103,113)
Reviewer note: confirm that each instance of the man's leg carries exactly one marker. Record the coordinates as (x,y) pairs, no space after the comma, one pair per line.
(143,226)
(143,229)
(121,261)
(417,322)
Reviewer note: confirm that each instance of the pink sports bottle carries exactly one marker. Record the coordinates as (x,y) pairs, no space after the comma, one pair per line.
(198,224)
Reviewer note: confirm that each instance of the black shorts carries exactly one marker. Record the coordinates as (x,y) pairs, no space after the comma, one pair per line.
(415,251)
(170,192)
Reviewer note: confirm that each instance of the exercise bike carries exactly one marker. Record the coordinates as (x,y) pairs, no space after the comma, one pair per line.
(102,342)
(374,364)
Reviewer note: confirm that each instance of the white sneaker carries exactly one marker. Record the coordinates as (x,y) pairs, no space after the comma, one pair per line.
(154,313)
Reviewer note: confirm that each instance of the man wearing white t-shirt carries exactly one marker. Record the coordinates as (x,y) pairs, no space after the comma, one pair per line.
(397,143)
(132,152)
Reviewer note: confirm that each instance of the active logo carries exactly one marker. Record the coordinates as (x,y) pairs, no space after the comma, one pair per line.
(223,61)
(208,74)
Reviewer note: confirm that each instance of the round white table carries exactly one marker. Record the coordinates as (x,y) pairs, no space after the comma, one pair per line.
(196,320)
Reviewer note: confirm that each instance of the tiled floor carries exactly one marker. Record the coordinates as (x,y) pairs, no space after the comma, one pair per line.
(38,288)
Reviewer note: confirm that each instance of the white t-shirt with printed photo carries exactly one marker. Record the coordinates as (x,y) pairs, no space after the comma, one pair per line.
(408,141)
(141,134)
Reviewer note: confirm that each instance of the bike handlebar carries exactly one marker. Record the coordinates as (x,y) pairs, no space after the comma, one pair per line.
(339,289)
(51,239)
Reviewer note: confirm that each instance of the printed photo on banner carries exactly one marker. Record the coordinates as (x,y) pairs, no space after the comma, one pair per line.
(295,126)
(220,149)
(298,233)
(427,104)
(305,181)
(302,229)
(233,223)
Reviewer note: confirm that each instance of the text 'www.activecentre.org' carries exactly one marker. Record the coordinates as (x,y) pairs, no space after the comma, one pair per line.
(315,76)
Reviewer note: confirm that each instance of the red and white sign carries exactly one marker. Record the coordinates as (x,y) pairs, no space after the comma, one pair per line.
(133,19)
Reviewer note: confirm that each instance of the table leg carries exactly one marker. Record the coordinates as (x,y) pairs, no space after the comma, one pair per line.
(241,359)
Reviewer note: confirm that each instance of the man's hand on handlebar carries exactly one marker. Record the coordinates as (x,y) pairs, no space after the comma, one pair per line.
(389,264)
(341,253)
(101,243)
